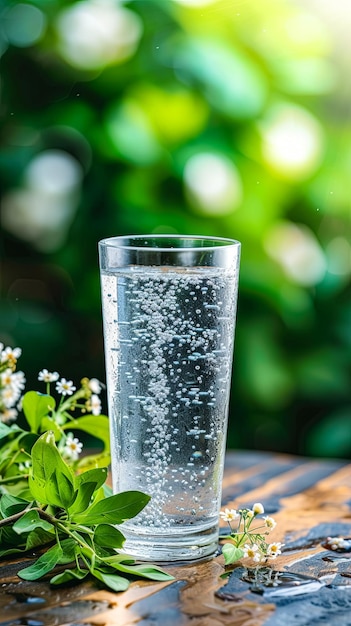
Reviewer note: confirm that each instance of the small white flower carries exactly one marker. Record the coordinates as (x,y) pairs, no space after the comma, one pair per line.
(228,515)
(270,522)
(252,552)
(9,396)
(48,377)
(249,513)
(258,508)
(6,377)
(18,380)
(94,385)
(15,380)
(274,549)
(8,415)
(95,404)
(65,387)
(73,447)
(10,354)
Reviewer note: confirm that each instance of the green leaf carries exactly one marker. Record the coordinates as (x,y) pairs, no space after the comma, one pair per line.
(69,576)
(231,553)
(93,461)
(87,483)
(107,536)
(36,406)
(10,505)
(118,557)
(99,428)
(22,491)
(26,442)
(43,565)
(64,488)
(14,544)
(83,499)
(48,423)
(113,581)
(69,547)
(4,430)
(97,475)
(51,481)
(31,521)
(9,540)
(38,537)
(115,509)
(145,570)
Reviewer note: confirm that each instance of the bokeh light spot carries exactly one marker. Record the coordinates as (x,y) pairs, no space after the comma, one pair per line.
(297,250)
(23,25)
(292,141)
(53,171)
(42,210)
(213,183)
(95,33)
(131,134)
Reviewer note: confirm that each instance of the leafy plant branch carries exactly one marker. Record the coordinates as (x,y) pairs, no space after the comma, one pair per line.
(245,541)
(78,523)
(53,501)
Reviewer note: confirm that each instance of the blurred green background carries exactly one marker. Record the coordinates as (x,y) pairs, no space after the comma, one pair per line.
(222,117)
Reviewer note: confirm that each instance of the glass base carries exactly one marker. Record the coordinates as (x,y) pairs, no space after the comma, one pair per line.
(172,547)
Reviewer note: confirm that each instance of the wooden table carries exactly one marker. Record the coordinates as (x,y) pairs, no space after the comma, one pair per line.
(309,499)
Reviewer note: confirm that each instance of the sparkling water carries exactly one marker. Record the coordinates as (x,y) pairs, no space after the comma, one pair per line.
(169,343)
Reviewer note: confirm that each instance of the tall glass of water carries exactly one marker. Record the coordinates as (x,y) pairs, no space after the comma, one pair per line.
(169,306)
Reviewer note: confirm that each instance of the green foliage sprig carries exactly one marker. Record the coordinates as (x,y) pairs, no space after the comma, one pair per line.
(54,502)
(73,409)
(247,541)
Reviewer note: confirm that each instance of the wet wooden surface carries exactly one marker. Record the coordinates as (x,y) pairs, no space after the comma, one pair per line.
(309,499)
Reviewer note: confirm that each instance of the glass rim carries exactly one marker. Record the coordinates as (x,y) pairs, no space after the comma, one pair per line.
(223,242)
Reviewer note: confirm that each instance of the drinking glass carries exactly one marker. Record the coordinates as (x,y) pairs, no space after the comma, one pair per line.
(169,307)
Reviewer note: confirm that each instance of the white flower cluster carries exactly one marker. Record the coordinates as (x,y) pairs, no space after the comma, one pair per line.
(253,551)
(11,383)
(338,544)
(66,388)
(69,445)
(229,515)
(250,540)
(85,398)
(94,402)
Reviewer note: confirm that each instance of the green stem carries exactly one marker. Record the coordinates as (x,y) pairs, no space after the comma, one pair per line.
(9,521)
(71,400)
(13,479)
(57,536)
(239,539)
(13,459)
(87,549)
(87,552)
(69,405)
